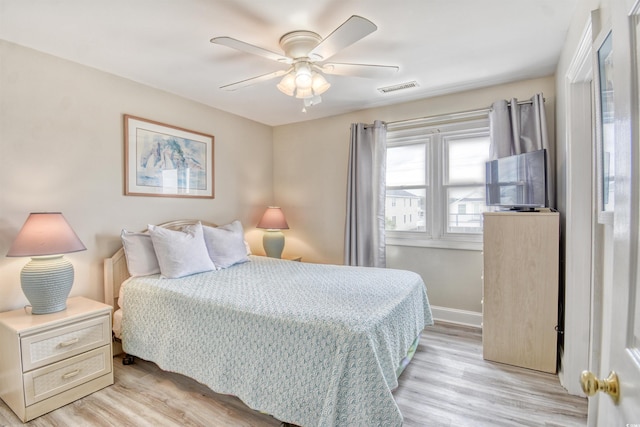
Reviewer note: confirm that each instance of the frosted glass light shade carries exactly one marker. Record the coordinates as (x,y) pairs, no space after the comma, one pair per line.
(320,85)
(303,76)
(304,93)
(47,279)
(288,84)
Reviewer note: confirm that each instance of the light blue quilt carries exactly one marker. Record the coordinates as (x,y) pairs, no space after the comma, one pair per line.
(310,344)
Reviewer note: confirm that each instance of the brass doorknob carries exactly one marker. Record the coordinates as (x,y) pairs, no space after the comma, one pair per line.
(591,384)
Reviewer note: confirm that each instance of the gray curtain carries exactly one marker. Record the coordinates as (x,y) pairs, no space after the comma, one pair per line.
(518,128)
(364,231)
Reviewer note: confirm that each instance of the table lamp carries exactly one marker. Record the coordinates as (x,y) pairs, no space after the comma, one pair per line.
(47,279)
(273,240)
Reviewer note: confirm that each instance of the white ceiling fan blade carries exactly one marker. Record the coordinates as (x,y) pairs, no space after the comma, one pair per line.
(359,70)
(254,80)
(249,48)
(352,30)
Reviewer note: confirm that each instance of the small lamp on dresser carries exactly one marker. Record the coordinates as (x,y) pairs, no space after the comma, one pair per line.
(47,279)
(273,240)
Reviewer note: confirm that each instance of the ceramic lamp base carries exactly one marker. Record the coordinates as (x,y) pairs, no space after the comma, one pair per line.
(273,242)
(46,282)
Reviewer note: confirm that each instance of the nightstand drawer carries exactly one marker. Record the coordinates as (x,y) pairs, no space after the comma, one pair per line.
(58,344)
(58,377)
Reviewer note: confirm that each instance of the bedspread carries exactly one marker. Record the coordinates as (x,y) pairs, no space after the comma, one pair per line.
(310,344)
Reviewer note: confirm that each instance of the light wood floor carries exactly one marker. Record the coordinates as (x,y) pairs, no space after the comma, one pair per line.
(447,384)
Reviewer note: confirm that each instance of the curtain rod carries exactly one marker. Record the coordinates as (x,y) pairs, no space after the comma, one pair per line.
(462,113)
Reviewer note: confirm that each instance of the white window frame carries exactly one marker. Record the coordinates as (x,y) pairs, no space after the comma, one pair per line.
(433,132)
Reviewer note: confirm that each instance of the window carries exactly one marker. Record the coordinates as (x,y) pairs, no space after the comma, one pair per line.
(435,181)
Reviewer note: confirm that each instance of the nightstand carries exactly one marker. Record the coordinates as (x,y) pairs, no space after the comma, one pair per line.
(50,360)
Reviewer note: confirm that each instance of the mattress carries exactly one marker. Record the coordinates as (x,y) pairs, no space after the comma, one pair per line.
(311,344)
(117,314)
(117,323)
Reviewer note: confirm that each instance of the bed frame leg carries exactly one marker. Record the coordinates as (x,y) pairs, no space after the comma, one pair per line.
(128,359)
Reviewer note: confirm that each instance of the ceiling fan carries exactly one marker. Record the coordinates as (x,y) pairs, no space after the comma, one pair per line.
(306,52)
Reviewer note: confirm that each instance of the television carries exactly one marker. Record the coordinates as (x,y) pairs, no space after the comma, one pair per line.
(518,182)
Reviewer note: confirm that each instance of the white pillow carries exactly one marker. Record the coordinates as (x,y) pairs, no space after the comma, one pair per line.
(139,253)
(180,253)
(226,244)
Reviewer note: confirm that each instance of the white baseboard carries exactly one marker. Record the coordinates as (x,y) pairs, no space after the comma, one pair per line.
(459,317)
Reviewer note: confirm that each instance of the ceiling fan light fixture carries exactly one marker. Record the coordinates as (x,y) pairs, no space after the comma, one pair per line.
(319,84)
(288,84)
(306,52)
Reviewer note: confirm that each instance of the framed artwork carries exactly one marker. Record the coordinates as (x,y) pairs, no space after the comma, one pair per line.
(166,161)
(605,127)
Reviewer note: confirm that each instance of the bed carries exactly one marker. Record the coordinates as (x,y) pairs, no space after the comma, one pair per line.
(310,344)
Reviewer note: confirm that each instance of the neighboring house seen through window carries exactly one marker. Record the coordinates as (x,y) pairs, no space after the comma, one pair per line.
(435,181)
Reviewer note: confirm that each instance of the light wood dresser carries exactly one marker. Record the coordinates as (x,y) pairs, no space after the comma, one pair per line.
(50,360)
(520,289)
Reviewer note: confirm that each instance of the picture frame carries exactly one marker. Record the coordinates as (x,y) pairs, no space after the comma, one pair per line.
(162,160)
(605,126)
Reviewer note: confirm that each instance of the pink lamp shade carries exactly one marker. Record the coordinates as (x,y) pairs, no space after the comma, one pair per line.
(273,219)
(45,233)
(47,279)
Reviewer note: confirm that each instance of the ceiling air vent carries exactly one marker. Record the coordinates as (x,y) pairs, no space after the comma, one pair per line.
(401,86)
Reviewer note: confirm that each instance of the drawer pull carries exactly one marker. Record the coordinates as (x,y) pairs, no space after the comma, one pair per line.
(72,341)
(71,374)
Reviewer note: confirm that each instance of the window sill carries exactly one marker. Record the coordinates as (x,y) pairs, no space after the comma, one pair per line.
(437,244)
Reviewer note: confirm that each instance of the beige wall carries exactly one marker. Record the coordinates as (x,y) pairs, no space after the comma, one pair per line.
(61,149)
(310,169)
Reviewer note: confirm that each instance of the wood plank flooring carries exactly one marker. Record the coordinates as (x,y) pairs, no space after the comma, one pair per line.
(447,384)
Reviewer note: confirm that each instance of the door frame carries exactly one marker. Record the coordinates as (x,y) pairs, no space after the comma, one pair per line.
(581,320)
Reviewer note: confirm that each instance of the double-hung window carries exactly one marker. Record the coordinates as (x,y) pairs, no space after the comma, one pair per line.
(435,181)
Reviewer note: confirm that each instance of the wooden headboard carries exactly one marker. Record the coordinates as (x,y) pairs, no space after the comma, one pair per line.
(115,267)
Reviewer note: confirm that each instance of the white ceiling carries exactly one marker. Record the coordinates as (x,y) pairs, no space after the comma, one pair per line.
(444,45)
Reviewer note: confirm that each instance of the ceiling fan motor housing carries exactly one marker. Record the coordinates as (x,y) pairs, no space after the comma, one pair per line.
(298,44)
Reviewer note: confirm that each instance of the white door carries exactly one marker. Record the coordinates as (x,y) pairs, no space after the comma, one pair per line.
(620,351)
(624,351)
